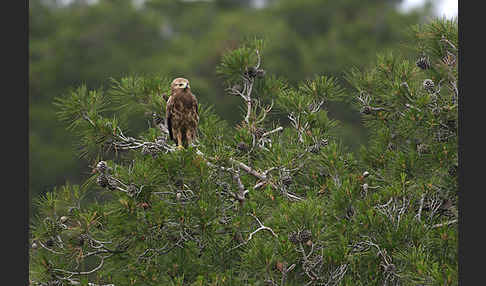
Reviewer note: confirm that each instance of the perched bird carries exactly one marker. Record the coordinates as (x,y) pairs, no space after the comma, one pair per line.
(181,113)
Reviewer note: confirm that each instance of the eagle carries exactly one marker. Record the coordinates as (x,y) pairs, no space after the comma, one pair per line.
(181,113)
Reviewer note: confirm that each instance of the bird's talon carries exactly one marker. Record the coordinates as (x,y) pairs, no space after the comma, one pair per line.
(180,147)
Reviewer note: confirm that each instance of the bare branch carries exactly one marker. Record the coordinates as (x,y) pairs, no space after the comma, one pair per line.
(392,211)
(280,128)
(285,271)
(259,58)
(337,275)
(445,40)
(76,282)
(444,223)
(419,214)
(249,170)
(249,87)
(262,227)
(265,111)
(86,272)
(159,251)
(88,119)
(453,85)
(48,249)
(240,196)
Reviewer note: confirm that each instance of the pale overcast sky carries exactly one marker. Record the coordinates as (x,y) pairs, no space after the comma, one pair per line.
(448,8)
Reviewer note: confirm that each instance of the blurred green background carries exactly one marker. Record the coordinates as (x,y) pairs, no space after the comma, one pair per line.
(81,41)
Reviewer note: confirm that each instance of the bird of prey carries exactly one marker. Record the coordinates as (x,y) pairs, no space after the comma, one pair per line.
(181,113)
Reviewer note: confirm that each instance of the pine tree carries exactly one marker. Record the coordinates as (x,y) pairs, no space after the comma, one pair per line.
(410,191)
(263,202)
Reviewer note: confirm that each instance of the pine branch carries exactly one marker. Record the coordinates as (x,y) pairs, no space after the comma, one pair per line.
(444,223)
(262,227)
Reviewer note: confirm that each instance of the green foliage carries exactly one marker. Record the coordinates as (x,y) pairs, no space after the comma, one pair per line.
(260,202)
(236,62)
(141,92)
(71,45)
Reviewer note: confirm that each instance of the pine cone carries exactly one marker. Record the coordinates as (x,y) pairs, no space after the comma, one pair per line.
(258,132)
(251,72)
(423,63)
(132,190)
(287,180)
(156,119)
(317,147)
(224,185)
(179,183)
(294,237)
(446,205)
(305,235)
(453,170)
(389,268)
(242,146)
(102,180)
(50,243)
(300,236)
(285,177)
(78,240)
(365,110)
(349,212)
(451,123)
(429,85)
(112,183)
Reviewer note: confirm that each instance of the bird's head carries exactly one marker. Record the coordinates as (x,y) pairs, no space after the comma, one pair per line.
(180,84)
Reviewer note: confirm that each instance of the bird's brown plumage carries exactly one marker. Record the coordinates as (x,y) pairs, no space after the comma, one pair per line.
(181,113)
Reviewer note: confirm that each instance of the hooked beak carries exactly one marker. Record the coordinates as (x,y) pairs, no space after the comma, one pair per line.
(186,85)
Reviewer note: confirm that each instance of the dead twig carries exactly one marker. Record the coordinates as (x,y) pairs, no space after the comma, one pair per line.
(262,227)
